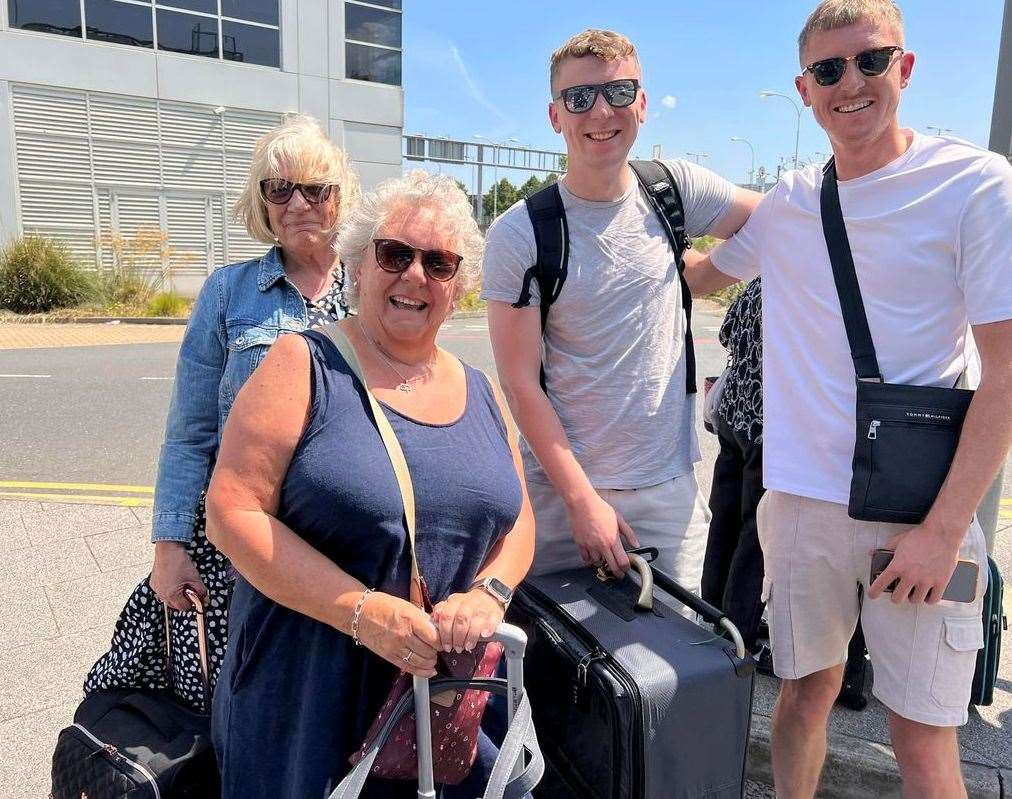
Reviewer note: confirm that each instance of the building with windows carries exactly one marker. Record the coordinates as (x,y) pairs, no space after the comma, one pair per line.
(127,117)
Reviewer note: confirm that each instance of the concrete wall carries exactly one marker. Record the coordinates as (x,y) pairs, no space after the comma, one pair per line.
(365,117)
(1001,119)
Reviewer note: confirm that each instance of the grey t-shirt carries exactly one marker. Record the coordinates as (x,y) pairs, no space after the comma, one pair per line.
(615,336)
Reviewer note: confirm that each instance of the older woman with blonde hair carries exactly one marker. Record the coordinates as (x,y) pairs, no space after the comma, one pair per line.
(298,191)
(305,503)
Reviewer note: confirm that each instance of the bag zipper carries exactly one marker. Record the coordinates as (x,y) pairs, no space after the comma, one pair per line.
(114,753)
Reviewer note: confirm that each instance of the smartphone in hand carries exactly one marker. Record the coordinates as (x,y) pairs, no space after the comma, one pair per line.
(962,585)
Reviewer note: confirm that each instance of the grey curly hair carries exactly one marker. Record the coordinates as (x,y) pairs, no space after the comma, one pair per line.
(412,190)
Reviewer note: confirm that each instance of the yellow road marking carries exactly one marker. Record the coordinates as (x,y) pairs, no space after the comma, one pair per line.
(1006,502)
(90,499)
(79,486)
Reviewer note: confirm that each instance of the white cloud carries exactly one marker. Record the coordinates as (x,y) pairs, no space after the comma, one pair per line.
(474,90)
(669,101)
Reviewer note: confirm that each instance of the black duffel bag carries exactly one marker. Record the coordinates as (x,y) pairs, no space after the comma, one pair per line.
(130,743)
(906,435)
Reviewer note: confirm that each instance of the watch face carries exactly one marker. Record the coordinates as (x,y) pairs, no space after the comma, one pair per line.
(500,589)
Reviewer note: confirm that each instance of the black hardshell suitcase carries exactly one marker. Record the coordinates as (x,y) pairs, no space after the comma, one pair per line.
(629,702)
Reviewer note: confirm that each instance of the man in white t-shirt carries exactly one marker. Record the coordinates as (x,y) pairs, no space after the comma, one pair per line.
(930,226)
(609,449)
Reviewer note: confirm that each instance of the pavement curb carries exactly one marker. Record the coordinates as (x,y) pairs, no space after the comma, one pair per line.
(857,768)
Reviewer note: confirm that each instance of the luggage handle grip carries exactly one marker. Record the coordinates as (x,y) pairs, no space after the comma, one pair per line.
(709,613)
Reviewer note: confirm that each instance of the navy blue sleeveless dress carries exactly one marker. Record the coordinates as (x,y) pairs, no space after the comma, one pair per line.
(295,696)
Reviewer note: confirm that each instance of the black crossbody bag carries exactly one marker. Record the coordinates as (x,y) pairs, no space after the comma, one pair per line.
(906,435)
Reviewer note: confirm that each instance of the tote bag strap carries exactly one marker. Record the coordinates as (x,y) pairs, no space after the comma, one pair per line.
(855,320)
(393,448)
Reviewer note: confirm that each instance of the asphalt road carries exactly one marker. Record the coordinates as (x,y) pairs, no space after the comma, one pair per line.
(86,416)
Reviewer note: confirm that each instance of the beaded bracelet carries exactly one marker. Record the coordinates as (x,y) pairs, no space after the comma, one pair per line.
(356,615)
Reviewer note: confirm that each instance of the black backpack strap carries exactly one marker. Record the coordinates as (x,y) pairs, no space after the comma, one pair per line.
(855,320)
(551,265)
(662,191)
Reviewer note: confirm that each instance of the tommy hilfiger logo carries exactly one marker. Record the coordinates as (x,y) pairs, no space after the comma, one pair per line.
(928,417)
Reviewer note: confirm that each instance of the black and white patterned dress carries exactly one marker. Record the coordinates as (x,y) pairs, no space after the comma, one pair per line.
(741,333)
(137,654)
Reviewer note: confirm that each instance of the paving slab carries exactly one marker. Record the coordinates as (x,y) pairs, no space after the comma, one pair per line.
(13,535)
(34,336)
(26,617)
(54,562)
(52,521)
(94,601)
(118,548)
(28,745)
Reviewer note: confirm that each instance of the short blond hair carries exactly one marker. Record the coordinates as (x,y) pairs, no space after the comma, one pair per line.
(606,45)
(413,190)
(832,14)
(300,147)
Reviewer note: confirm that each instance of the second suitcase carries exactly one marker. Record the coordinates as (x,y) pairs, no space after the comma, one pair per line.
(630,702)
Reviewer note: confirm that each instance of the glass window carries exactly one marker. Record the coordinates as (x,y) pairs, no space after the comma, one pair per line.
(265,11)
(250,44)
(387,3)
(372,25)
(110,21)
(48,16)
(372,63)
(186,33)
(207,6)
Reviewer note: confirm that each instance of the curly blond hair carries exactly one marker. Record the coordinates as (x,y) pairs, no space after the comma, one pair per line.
(411,191)
(301,148)
(606,45)
(832,14)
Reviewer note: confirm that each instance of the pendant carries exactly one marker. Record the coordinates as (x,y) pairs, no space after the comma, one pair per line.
(405,387)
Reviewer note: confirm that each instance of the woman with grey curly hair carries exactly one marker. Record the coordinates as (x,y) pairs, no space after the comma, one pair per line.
(305,503)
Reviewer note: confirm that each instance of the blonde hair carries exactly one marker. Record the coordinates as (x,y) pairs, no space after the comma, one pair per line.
(414,190)
(832,14)
(606,45)
(300,147)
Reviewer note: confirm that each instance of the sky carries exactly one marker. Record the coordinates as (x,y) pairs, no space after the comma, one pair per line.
(482,68)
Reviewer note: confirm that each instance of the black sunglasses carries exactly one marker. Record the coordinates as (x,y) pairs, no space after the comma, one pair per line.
(617,93)
(396,256)
(278,191)
(872,63)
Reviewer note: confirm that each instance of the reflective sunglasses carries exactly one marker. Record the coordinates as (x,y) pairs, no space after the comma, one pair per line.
(872,63)
(617,93)
(278,191)
(396,256)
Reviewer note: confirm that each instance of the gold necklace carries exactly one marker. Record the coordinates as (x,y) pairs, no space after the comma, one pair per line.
(405,384)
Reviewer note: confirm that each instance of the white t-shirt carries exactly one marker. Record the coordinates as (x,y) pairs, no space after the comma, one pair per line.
(616,335)
(931,236)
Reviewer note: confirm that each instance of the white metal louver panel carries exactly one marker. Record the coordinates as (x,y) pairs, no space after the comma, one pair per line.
(190,126)
(138,220)
(104,227)
(193,168)
(52,159)
(243,128)
(240,246)
(124,118)
(80,243)
(188,234)
(237,166)
(125,164)
(49,204)
(44,110)
(217,232)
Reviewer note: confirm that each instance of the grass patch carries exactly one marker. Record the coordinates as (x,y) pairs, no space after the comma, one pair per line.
(167,303)
(38,274)
(472,301)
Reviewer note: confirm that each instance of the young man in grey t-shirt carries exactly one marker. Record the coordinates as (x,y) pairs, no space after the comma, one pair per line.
(609,450)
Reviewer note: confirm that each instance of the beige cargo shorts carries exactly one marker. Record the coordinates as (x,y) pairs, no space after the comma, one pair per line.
(815,557)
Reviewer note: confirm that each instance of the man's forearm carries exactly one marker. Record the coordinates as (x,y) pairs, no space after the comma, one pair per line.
(983,447)
(540,425)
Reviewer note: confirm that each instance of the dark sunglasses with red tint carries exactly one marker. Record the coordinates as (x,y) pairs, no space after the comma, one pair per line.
(872,63)
(278,191)
(396,256)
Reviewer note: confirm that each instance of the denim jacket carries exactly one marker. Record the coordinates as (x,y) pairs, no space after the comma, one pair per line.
(240,312)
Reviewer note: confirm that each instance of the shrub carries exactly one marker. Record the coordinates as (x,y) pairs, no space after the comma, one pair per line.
(168,303)
(39,274)
(471,301)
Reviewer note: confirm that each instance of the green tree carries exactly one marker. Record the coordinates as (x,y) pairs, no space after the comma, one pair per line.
(564,162)
(501,197)
(462,187)
(550,178)
(531,186)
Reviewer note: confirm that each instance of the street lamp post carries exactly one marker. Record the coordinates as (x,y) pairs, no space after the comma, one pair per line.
(797,108)
(751,174)
(495,169)
(698,157)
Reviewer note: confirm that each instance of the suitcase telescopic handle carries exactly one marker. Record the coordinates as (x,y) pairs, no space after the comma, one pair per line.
(649,577)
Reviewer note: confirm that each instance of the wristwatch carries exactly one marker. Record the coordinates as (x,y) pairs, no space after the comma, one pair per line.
(499,591)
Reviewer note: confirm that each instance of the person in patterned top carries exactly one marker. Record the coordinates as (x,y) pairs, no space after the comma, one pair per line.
(733,565)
